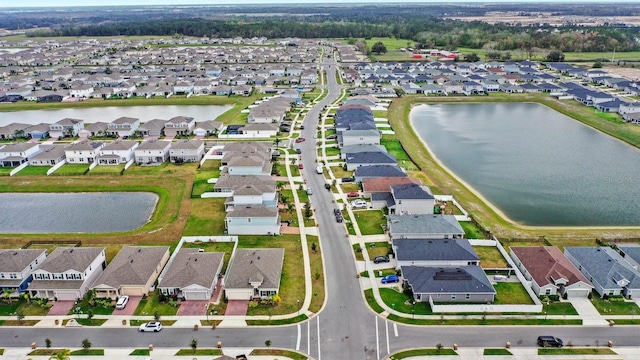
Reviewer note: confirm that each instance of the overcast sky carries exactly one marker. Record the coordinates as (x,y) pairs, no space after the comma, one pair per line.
(49,3)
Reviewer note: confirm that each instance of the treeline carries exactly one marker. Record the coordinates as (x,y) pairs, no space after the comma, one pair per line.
(427,32)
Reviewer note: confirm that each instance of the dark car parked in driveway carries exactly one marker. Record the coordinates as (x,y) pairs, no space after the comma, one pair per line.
(347,179)
(380,259)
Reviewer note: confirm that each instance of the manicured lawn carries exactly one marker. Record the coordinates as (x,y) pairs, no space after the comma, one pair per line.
(471,230)
(422,352)
(377,249)
(45,352)
(34,171)
(276,322)
(165,168)
(560,308)
(8,309)
(5,171)
(206,217)
(370,221)
(92,322)
(384,272)
(201,352)
(137,323)
(72,170)
(149,306)
(606,307)
(349,187)
(276,352)
(28,309)
(402,303)
(97,309)
(368,295)
(358,252)
(107,170)
(292,280)
(339,172)
(140,352)
(477,322)
(490,257)
(90,352)
(576,351)
(497,351)
(394,148)
(225,247)
(332,151)
(210,169)
(317,274)
(511,293)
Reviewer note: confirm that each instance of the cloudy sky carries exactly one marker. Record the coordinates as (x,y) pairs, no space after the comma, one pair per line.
(31,3)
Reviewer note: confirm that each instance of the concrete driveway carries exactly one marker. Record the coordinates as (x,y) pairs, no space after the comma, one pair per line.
(61,308)
(132,304)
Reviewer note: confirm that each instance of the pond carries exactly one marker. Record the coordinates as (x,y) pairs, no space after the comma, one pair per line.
(534,164)
(109,113)
(53,213)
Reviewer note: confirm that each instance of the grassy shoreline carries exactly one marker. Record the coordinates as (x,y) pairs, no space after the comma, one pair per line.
(487,216)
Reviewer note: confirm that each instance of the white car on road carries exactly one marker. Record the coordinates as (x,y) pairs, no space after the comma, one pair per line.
(154,326)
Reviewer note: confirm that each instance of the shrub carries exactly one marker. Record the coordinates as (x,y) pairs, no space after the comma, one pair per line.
(253,304)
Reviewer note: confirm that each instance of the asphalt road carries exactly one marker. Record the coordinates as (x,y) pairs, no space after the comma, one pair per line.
(345,328)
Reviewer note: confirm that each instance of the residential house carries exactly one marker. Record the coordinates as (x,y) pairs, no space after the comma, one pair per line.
(411,199)
(154,127)
(123,126)
(132,272)
(366,172)
(354,149)
(179,125)
(424,226)
(13,155)
(465,284)
(208,128)
(83,152)
(96,129)
(16,267)
(186,151)
(550,272)
(247,190)
(192,274)
(360,137)
(117,152)
(65,128)
(434,252)
(361,159)
(382,185)
(254,274)
(253,220)
(13,131)
(608,272)
(67,273)
(260,130)
(248,164)
(49,156)
(40,131)
(82,91)
(152,152)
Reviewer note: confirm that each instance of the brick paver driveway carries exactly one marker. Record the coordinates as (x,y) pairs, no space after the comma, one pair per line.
(61,308)
(237,307)
(193,307)
(132,304)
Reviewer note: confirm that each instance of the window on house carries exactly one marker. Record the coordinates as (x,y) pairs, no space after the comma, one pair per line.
(467,296)
(1,276)
(453,296)
(547,291)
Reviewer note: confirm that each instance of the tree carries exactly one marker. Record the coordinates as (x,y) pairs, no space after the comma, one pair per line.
(89,314)
(86,345)
(63,354)
(20,316)
(47,343)
(156,315)
(307,210)
(597,65)
(379,48)
(6,293)
(473,57)
(267,343)
(555,56)
(493,55)
(194,344)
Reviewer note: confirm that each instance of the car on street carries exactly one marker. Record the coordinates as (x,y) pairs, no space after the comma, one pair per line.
(359,204)
(122,302)
(339,218)
(549,341)
(300,139)
(298,151)
(300,166)
(390,279)
(154,326)
(327,186)
(381,259)
(336,212)
(301,127)
(353,194)
(309,191)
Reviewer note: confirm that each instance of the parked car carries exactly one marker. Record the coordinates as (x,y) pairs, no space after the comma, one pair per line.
(549,341)
(353,194)
(331,137)
(390,279)
(309,191)
(339,218)
(298,151)
(327,186)
(318,169)
(336,212)
(380,259)
(122,302)
(154,326)
(300,166)
(300,139)
(301,127)
(347,179)
(359,204)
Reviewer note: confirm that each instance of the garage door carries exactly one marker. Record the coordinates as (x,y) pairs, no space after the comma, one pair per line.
(66,295)
(196,295)
(578,293)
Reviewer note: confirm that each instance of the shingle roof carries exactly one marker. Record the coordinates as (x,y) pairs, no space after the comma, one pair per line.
(254,211)
(371,158)
(259,265)
(605,266)
(424,224)
(154,145)
(16,260)
(411,191)
(70,258)
(383,184)
(434,249)
(546,264)
(466,279)
(380,171)
(191,267)
(120,145)
(133,265)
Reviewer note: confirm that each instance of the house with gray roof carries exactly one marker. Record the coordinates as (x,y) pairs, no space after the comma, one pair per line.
(424,226)
(254,274)
(16,267)
(186,151)
(356,160)
(411,199)
(123,126)
(354,149)
(208,128)
(67,273)
(49,156)
(359,137)
(95,129)
(131,272)
(253,220)
(608,272)
(117,152)
(464,284)
(154,127)
(13,130)
(13,155)
(65,127)
(179,125)
(152,152)
(374,171)
(434,252)
(631,253)
(83,152)
(247,190)
(192,274)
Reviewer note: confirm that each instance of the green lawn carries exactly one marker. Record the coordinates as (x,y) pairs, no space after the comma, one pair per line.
(332,151)
(370,221)
(8,309)
(368,294)
(90,352)
(165,168)
(149,305)
(206,217)
(107,170)
(511,293)
(394,147)
(606,307)
(274,353)
(402,303)
(496,351)
(422,352)
(356,250)
(339,172)
(317,274)
(92,322)
(200,352)
(140,352)
(210,169)
(485,322)
(378,249)
(471,230)
(277,322)
(576,351)
(28,309)
(34,171)
(560,308)
(97,309)
(490,257)
(71,170)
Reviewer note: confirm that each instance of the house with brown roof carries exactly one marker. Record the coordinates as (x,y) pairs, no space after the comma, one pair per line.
(96,129)
(186,151)
(179,125)
(67,273)
(152,152)
(550,272)
(117,152)
(192,274)
(123,126)
(384,184)
(131,272)
(254,274)
(16,267)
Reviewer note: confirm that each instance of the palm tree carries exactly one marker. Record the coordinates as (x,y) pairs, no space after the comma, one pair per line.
(63,354)
(7,294)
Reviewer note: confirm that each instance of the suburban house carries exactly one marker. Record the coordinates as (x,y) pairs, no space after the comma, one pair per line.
(117,152)
(631,253)
(83,152)
(13,155)
(95,129)
(208,128)
(49,156)
(550,272)
(16,266)
(254,274)
(260,130)
(354,149)
(356,160)
(186,151)
(152,152)
(371,186)
(247,190)
(434,252)
(192,274)
(65,128)
(411,199)
(131,272)
(67,273)
(360,137)
(464,284)
(153,127)
(13,131)
(249,164)
(179,125)
(424,226)
(39,131)
(608,272)
(253,220)
(123,126)
(375,171)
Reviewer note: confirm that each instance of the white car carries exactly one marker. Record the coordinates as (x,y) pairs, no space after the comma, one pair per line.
(154,326)
(359,204)
(122,302)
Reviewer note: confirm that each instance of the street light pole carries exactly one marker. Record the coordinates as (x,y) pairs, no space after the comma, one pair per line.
(298,305)
(413,311)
